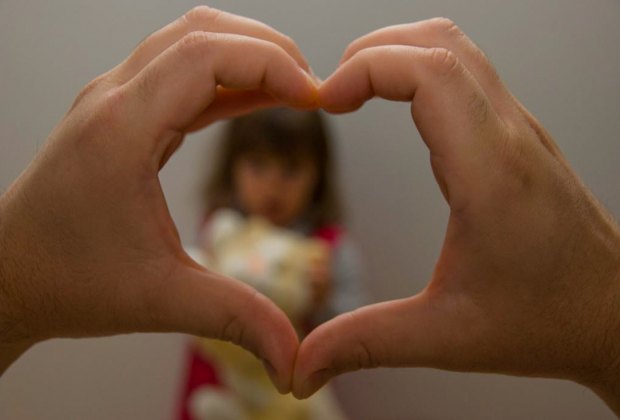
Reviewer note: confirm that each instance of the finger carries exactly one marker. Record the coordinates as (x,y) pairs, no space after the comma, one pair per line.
(204,19)
(441,33)
(408,332)
(233,103)
(197,302)
(444,33)
(453,114)
(178,86)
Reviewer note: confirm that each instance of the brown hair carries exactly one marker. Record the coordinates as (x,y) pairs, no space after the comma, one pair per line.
(292,136)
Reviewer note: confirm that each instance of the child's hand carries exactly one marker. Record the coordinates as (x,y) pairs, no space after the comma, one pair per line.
(87,244)
(528,280)
(320,279)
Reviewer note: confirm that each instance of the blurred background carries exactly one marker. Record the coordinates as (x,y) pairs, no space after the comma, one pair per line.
(561,58)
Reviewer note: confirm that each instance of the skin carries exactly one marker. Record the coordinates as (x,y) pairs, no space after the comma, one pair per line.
(527,282)
(528,279)
(87,244)
(321,279)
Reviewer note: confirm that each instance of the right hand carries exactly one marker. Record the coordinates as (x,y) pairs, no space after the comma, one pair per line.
(528,280)
(320,279)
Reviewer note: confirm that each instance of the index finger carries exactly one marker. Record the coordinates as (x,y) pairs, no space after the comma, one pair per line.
(453,114)
(204,19)
(440,33)
(176,87)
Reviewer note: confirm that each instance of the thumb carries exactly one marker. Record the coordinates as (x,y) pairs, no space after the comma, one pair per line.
(391,334)
(203,303)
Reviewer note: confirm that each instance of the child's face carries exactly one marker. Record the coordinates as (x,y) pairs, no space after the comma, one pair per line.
(273,188)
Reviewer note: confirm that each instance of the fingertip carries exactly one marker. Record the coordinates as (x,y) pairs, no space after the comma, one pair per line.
(304,97)
(312,383)
(340,94)
(282,384)
(333,104)
(280,357)
(313,97)
(239,314)
(312,370)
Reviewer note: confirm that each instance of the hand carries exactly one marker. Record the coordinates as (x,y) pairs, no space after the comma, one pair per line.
(88,245)
(527,282)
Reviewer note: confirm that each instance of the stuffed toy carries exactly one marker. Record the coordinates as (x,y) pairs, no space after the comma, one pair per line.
(276,262)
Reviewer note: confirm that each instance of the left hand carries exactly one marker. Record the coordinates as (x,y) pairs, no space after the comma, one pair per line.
(87,245)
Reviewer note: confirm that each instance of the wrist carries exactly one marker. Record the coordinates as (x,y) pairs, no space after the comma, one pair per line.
(13,338)
(609,388)
(9,353)
(605,380)
(607,385)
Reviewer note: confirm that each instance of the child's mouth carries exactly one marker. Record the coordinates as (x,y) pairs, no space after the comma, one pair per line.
(272,210)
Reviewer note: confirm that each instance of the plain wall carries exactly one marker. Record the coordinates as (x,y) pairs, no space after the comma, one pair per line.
(561,58)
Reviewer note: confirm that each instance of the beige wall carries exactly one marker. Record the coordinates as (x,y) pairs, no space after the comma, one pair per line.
(561,58)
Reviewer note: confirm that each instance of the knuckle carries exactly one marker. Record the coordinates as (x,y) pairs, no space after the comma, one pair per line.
(202,15)
(108,111)
(289,44)
(442,60)
(232,331)
(366,55)
(99,122)
(351,49)
(363,356)
(274,53)
(87,91)
(277,52)
(446,26)
(194,43)
(113,103)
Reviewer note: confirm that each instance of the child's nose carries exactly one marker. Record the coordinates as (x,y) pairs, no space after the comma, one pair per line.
(275,180)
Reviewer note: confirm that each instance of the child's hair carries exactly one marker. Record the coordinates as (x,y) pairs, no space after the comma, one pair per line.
(289,135)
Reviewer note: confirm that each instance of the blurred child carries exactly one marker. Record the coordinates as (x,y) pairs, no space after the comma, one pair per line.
(273,220)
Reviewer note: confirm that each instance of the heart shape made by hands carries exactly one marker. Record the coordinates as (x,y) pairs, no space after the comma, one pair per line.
(109,259)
